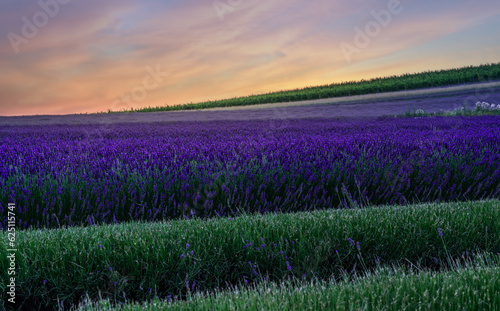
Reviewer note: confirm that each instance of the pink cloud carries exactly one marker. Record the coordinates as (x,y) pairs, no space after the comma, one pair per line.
(90,55)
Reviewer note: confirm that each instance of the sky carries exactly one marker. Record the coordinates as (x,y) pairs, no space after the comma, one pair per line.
(71,56)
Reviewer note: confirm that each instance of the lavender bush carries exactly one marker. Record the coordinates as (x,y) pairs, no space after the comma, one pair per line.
(77,175)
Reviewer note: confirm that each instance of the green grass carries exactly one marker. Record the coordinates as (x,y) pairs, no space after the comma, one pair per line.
(474,287)
(471,74)
(68,264)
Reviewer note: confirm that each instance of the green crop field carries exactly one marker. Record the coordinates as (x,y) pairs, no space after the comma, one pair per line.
(474,286)
(144,261)
(471,74)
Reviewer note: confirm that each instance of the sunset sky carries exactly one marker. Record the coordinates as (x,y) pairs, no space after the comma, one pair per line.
(63,56)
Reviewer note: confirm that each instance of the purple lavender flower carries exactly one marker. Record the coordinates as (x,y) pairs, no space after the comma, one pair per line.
(440,233)
(187,245)
(182,256)
(358,246)
(139,151)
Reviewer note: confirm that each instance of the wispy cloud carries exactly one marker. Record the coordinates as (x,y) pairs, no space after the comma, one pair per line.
(92,53)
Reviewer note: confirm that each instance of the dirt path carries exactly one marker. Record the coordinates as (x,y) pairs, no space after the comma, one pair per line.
(373,105)
(357,98)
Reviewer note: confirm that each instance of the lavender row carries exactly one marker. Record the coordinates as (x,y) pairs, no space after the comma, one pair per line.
(87,174)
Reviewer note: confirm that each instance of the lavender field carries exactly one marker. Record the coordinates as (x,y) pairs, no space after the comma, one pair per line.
(72,175)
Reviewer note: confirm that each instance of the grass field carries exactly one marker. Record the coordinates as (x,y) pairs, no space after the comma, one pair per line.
(471,74)
(140,261)
(474,286)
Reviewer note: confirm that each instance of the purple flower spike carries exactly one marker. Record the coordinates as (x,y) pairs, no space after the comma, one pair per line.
(192,252)
(187,245)
(44,282)
(440,233)
(182,256)
(358,246)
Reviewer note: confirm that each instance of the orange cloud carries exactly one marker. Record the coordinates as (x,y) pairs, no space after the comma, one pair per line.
(93,56)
